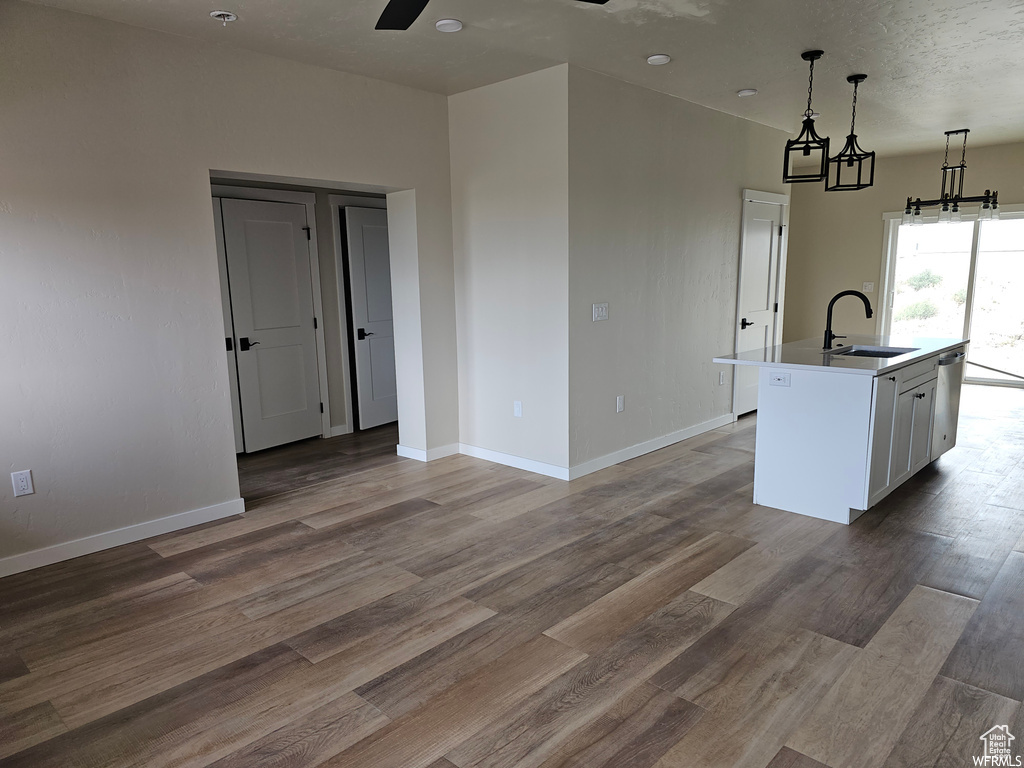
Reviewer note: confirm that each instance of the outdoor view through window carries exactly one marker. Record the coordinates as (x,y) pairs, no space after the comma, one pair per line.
(931,283)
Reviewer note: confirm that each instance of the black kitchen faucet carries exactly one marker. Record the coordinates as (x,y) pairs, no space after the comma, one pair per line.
(829,336)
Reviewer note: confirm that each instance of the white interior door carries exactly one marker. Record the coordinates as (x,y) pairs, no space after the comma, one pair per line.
(757,294)
(369,265)
(229,335)
(271,286)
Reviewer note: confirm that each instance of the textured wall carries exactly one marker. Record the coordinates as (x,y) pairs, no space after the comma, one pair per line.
(654,213)
(113,386)
(510,192)
(836,238)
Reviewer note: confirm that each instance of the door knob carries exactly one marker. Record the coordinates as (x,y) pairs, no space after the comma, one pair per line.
(744,323)
(362,334)
(244,344)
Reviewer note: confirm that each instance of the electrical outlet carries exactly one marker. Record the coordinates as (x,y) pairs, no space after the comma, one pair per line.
(22,482)
(517,408)
(600,312)
(721,378)
(620,403)
(867,287)
(779,380)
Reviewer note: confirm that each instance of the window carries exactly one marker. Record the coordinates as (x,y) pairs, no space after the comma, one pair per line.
(948,280)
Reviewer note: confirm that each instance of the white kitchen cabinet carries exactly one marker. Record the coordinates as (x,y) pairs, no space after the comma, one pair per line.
(884,394)
(924,420)
(912,432)
(911,415)
(900,465)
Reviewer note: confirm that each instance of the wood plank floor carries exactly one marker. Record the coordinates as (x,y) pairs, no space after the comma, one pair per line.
(369,611)
(294,466)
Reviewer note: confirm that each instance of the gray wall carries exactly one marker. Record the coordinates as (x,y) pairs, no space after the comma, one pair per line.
(510,187)
(571,188)
(114,382)
(655,186)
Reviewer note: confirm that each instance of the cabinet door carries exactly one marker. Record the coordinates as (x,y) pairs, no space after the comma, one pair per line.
(900,466)
(924,417)
(883,413)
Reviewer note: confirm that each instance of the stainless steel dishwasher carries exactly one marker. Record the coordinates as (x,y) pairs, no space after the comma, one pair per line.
(947,401)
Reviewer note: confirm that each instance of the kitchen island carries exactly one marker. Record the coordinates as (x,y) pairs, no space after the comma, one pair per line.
(839,430)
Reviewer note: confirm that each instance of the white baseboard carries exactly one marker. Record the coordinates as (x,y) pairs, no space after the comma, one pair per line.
(538,467)
(657,443)
(37,558)
(343,429)
(571,473)
(429,455)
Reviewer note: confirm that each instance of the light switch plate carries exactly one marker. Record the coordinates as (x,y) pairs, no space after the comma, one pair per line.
(600,312)
(517,408)
(867,287)
(620,403)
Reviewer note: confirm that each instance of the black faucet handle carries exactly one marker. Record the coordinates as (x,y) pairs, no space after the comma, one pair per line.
(837,336)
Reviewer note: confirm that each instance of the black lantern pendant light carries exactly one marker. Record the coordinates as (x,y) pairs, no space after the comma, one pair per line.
(808,147)
(852,168)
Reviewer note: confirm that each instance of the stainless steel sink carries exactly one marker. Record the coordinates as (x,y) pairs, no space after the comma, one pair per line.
(863,350)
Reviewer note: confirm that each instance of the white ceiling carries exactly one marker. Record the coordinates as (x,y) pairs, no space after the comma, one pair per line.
(932,65)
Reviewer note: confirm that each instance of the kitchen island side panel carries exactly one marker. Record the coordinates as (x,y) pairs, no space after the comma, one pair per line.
(812,443)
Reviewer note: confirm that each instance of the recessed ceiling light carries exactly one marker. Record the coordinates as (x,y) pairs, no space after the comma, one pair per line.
(448,25)
(224,16)
(658,59)
(747,92)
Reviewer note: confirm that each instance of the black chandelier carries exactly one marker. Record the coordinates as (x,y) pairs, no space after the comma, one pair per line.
(808,143)
(852,168)
(953,192)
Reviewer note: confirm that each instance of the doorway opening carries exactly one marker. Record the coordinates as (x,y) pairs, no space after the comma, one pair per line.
(287,294)
(961,279)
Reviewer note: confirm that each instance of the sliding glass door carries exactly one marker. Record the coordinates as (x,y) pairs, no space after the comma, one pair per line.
(997,307)
(929,290)
(948,280)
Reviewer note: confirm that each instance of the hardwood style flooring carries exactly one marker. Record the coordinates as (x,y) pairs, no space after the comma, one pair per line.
(369,611)
(290,467)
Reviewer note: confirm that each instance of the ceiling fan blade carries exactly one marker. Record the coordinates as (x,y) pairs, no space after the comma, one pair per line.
(400,14)
(594,2)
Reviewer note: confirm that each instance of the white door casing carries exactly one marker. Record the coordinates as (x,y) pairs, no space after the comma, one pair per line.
(229,335)
(759,294)
(271,287)
(369,265)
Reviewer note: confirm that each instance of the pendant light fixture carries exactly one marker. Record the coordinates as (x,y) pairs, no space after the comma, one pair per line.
(808,147)
(852,168)
(952,195)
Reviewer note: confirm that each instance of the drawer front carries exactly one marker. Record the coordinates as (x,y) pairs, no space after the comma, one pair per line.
(916,373)
(917,381)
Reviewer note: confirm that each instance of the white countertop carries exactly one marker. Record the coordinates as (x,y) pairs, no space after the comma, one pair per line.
(808,354)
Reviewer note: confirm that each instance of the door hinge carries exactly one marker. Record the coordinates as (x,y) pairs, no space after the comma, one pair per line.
(776,306)
(780,230)
(321,407)
(315,325)
(308,235)
(229,344)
